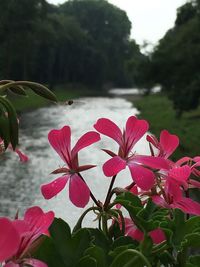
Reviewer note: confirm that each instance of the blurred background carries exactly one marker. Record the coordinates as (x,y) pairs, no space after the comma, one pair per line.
(114,58)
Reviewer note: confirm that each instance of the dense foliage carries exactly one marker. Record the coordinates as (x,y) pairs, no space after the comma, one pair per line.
(78,42)
(176,60)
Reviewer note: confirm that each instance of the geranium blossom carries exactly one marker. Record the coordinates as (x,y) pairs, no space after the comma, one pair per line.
(9,239)
(26,232)
(131,230)
(173,198)
(133,132)
(167,145)
(60,140)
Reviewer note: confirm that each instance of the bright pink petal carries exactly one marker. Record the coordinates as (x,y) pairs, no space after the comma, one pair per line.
(173,189)
(9,239)
(60,140)
(114,166)
(35,263)
(79,193)
(143,177)
(110,129)
(182,161)
(52,189)
(132,231)
(153,140)
(38,220)
(86,140)
(157,236)
(196,159)
(11,264)
(159,201)
(135,129)
(180,174)
(169,142)
(23,157)
(150,161)
(187,205)
(195,183)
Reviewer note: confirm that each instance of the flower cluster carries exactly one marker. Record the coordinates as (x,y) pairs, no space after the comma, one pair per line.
(155,177)
(20,236)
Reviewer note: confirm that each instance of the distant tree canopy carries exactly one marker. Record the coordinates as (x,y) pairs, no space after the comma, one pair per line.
(81,41)
(176,60)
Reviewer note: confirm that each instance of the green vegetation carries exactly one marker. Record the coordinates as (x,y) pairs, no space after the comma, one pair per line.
(175,62)
(158,110)
(80,41)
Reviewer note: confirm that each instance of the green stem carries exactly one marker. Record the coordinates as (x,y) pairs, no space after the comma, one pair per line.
(109,195)
(79,223)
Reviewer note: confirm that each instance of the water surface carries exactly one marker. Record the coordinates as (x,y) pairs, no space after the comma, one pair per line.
(20,183)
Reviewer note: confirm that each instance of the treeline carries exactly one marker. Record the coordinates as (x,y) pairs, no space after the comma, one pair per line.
(80,41)
(175,63)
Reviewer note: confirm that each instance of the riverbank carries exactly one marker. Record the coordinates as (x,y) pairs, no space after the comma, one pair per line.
(63,94)
(158,110)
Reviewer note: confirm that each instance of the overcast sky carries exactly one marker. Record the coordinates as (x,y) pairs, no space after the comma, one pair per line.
(150,18)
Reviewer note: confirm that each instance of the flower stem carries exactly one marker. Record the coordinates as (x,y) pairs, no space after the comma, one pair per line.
(108,197)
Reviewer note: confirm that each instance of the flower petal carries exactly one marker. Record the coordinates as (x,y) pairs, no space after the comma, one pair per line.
(87,139)
(110,129)
(157,235)
(22,156)
(38,220)
(79,193)
(135,129)
(9,239)
(52,189)
(169,142)
(35,263)
(180,174)
(150,161)
(143,177)
(60,140)
(114,166)
(187,205)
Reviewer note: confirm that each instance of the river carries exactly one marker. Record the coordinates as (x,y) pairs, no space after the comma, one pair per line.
(20,183)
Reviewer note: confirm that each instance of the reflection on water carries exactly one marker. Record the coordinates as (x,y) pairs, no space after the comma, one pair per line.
(20,183)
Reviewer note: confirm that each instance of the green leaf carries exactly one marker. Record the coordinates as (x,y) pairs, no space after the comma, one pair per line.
(191,240)
(98,254)
(42,90)
(47,252)
(130,258)
(70,247)
(194,261)
(192,224)
(87,261)
(18,90)
(99,239)
(123,241)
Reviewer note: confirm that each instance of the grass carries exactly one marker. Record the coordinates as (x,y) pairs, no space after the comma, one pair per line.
(158,110)
(63,93)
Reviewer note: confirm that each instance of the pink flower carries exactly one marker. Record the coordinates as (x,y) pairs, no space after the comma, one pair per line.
(174,199)
(28,230)
(131,230)
(9,239)
(22,156)
(133,132)
(60,140)
(167,145)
